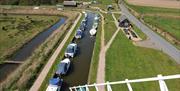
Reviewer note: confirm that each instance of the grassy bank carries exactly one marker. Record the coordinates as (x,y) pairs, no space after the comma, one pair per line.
(95,57)
(16,30)
(126,61)
(139,32)
(61,55)
(109,27)
(25,75)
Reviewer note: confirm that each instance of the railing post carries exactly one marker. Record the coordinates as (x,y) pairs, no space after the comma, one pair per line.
(75,89)
(80,88)
(108,87)
(87,89)
(128,85)
(70,89)
(96,87)
(162,84)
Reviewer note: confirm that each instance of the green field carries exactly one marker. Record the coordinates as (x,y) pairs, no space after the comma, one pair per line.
(109,27)
(171,25)
(126,61)
(154,10)
(117,16)
(16,30)
(139,32)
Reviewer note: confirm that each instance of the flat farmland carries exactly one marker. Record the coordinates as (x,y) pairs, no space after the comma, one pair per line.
(156,3)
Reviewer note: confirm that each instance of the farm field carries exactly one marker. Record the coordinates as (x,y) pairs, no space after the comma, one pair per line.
(156,3)
(126,61)
(154,10)
(16,30)
(167,24)
(29,2)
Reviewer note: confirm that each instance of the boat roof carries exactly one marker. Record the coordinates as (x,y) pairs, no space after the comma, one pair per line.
(61,68)
(72,44)
(52,88)
(66,60)
(54,81)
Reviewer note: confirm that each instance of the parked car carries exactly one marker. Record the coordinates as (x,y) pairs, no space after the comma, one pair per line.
(71,50)
(63,67)
(78,34)
(54,84)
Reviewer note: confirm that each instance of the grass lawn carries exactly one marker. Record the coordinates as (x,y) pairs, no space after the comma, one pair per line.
(171,25)
(117,16)
(16,30)
(126,61)
(109,27)
(139,32)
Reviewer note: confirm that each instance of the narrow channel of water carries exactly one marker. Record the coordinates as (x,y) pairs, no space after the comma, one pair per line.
(6,69)
(78,73)
(27,49)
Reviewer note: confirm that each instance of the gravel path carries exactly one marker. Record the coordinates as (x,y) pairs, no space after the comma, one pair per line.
(101,65)
(44,72)
(148,43)
(162,44)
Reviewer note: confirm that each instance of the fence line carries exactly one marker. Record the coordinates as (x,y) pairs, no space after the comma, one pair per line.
(159,78)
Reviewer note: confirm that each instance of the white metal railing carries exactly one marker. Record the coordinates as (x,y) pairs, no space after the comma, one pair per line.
(159,78)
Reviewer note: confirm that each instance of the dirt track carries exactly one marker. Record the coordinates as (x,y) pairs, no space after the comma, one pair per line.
(157,3)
